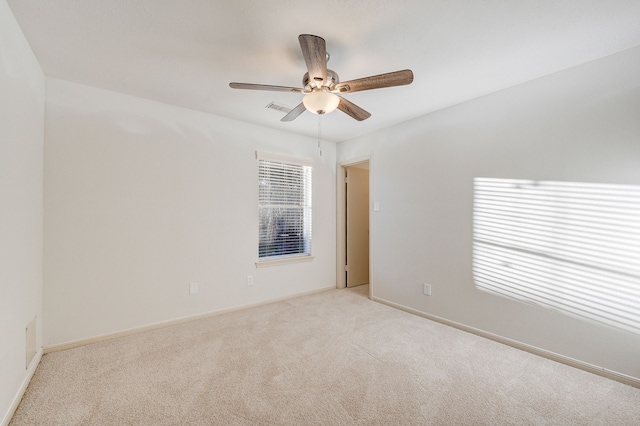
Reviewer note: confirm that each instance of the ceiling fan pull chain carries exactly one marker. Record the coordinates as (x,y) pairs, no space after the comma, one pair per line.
(320,134)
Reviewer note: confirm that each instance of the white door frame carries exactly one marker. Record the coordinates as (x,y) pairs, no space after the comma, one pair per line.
(341,212)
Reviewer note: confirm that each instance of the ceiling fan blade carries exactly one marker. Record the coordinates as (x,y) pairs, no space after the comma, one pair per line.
(271,88)
(294,113)
(314,51)
(391,79)
(352,109)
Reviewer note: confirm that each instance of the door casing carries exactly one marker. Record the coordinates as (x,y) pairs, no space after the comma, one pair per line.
(341,221)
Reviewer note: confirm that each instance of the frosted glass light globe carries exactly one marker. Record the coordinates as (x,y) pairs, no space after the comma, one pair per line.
(321,102)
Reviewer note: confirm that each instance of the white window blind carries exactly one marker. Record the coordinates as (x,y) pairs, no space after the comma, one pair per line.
(284,204)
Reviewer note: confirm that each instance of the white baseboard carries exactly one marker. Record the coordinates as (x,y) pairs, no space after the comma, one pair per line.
(600,371)
(23,388)
(135,330)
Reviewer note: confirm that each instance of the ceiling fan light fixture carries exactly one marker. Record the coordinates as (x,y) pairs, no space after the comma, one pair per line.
(320,84)
(321,102)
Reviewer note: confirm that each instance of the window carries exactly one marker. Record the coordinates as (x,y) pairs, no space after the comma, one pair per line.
(284,205)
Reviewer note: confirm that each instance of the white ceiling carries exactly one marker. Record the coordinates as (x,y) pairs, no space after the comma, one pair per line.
(186,52)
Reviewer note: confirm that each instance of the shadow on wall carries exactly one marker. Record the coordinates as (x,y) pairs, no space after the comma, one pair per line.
(565,245)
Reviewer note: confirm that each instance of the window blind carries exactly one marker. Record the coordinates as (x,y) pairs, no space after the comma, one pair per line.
(284,204)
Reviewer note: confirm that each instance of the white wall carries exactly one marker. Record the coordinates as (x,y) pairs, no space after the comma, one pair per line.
(579,125)
(21,143)
(143,198)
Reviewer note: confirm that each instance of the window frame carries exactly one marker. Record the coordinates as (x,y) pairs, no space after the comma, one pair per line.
(294,257)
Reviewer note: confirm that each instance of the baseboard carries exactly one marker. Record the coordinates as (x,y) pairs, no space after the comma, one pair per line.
(600,371)
(135,330)
(23,388)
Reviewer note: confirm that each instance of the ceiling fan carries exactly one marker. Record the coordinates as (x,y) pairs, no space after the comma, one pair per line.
(322,87)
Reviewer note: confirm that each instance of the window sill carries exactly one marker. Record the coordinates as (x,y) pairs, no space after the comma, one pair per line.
(283,261)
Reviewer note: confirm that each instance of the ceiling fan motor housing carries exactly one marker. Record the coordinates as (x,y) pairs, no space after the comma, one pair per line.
(330,82)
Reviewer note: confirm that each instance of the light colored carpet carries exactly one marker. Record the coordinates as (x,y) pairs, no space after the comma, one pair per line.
(333,358)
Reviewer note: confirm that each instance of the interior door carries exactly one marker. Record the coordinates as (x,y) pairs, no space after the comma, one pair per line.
(357,225)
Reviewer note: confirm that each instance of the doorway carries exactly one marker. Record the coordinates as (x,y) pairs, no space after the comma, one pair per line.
(354,242)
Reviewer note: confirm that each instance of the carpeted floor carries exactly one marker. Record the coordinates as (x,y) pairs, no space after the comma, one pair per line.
(333,358)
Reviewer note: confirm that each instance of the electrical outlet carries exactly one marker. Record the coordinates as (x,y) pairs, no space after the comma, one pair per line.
(249,279)
(427,289)
(193,288)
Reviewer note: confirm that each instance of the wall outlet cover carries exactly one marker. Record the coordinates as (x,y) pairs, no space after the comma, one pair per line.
(427,289)
(193,288)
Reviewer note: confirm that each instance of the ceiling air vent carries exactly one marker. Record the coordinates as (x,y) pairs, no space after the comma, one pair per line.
(278,107)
